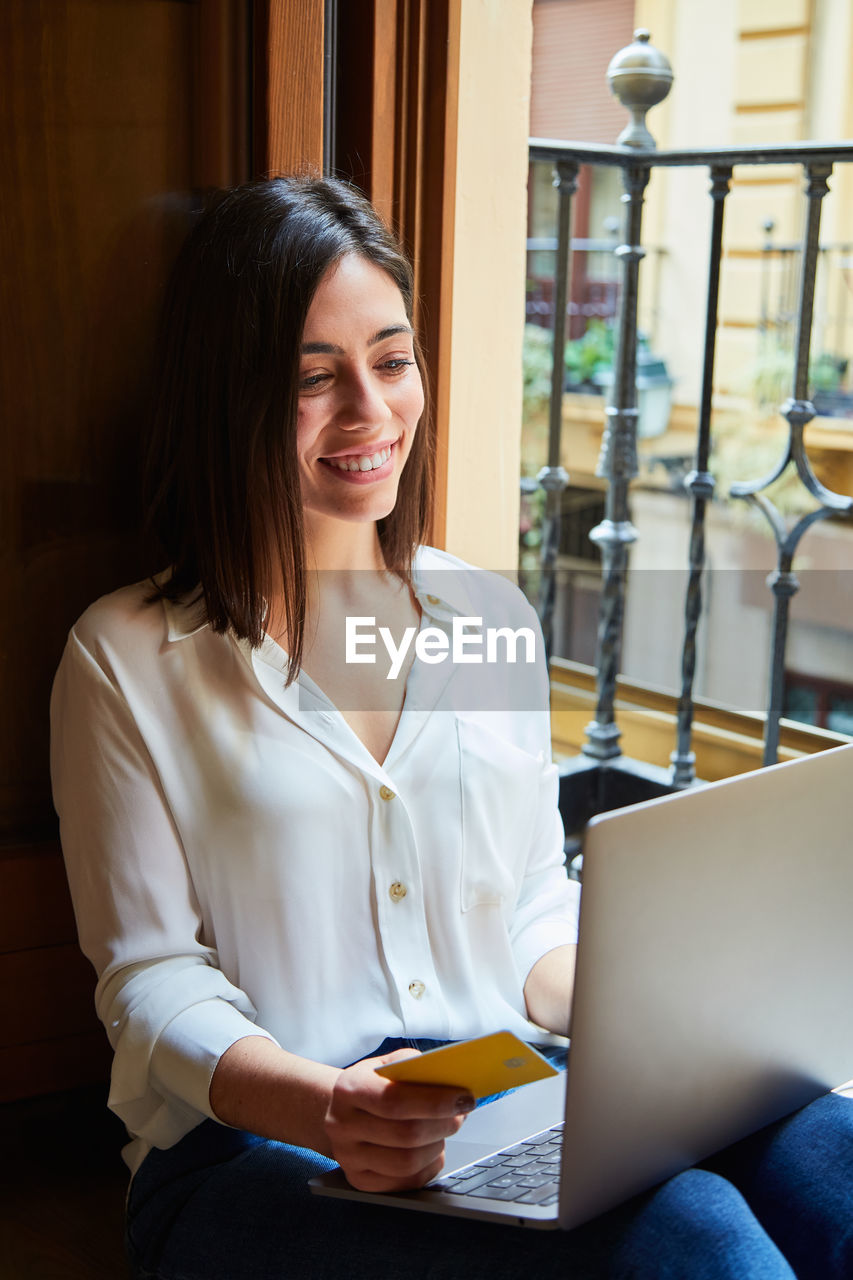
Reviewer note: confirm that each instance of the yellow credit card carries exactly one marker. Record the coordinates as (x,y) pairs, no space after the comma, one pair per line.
(486,1065)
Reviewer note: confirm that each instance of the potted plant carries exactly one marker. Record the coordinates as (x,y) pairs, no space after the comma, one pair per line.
(592,357)
(589,357)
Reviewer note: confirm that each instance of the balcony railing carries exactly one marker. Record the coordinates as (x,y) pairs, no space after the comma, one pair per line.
(602,777)
(832,325)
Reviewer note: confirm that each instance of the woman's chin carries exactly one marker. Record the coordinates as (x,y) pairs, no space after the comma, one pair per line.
(328,516)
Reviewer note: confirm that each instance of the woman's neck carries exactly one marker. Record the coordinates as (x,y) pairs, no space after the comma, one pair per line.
(345,568)
(342,545)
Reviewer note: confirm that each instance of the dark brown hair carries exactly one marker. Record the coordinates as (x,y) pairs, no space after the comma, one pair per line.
(222,485)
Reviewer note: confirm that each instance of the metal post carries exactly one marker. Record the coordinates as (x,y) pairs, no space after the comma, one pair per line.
(841,322)
(553,478)
(700,485)
(618,465)
(798,411)
(766,269)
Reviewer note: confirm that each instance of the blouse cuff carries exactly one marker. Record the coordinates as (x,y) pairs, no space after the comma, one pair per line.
(186,1054)
(180,1014)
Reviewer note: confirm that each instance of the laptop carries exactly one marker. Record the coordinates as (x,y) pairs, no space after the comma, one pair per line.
(712,998)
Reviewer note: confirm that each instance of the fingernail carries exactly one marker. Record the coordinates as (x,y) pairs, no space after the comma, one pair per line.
(465,1103)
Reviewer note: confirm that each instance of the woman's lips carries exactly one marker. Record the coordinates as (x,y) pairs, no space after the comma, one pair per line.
(361,461)
(362,468)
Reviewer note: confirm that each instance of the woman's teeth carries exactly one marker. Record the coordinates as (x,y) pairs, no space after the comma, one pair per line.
(364,463)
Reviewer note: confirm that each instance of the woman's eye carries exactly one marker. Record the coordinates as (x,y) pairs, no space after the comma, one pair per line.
(310,381)
(396,364)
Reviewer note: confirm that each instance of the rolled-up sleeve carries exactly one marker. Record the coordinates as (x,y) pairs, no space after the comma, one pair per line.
(547,909)
(548,905)
(168,1010)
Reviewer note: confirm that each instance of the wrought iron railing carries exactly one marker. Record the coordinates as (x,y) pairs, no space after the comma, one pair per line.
(601,277)
(602,777)
(832,326)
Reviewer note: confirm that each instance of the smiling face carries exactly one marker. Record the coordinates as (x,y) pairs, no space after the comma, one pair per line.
(360,395)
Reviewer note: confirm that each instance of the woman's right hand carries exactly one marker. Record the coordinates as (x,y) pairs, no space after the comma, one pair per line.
(389,1135)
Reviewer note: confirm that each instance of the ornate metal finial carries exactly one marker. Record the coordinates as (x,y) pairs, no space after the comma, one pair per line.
(640,76)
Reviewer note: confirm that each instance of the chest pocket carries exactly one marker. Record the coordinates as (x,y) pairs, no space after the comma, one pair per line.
(500,787)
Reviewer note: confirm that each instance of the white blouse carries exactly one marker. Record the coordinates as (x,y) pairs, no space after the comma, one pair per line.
(241,865)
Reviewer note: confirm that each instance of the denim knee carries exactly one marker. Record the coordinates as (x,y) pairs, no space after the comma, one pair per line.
(797,1175)
(698,1225)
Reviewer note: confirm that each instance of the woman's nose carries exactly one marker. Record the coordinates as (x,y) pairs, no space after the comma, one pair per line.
(364,403)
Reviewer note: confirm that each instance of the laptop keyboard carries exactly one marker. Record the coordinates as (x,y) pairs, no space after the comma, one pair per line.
(526,1173)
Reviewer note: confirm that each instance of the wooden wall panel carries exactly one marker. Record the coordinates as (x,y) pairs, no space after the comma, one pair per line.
(45,994)
(35,906)
(50,1037)
(114,113)
(30,1068)
(288,62)
(95,147)
(221,99)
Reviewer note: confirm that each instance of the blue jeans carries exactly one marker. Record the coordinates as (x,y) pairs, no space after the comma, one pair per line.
(226,1205)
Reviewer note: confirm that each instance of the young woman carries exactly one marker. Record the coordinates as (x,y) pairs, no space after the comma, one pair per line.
(287,867)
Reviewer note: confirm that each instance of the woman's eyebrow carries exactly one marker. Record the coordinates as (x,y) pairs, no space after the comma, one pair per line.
(389,332)
(321,349)
(331,349)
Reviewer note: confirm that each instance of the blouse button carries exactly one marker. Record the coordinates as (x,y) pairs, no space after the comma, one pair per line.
(433,600)
(386,792)
(397,892)
(416,989)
